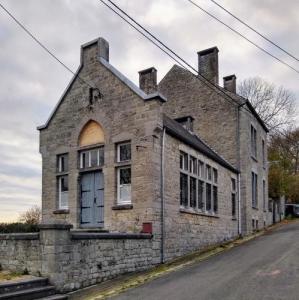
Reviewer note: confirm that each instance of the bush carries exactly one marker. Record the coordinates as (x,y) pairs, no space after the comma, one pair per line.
(18,228)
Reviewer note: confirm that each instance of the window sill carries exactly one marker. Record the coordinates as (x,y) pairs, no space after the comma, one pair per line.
(122,163)
(90,169)
(61,211)
(122,207)
(254,158)
(234,219)
(193,212)
(62,173)
(255,208)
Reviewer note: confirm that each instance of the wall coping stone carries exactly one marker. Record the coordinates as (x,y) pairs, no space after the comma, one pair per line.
(105,236)
(56,226)
(20,236)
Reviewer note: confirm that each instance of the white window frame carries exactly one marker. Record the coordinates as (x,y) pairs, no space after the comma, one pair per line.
(88,153)
(119,186)
(60,193)
(118,151)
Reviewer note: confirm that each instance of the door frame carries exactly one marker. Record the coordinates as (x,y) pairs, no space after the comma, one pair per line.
(81,173)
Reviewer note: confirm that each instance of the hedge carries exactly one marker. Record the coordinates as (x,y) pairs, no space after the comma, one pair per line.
(18,227)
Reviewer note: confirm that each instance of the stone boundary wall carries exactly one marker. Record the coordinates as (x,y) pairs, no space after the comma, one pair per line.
(21,252)
(74,259)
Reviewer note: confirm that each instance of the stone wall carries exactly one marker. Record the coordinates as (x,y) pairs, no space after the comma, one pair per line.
(20,253)
(73,260)
(187,230)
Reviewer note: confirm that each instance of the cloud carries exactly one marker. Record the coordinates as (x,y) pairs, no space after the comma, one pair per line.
(31,82)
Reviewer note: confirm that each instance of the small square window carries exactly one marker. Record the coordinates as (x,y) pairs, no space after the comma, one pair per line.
(124,152)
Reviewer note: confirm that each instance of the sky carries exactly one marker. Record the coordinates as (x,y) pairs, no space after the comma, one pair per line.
(31,81)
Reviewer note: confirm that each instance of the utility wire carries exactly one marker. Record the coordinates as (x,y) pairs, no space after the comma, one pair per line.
(244,37)
(205,81)
(254,30)
(44,47)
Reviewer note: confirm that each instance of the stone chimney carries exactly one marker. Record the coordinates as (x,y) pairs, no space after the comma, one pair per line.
(208,64)
(98,48)
(148,80)
(229,83)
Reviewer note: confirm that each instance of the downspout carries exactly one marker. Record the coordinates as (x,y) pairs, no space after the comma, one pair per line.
(239,175)
(162,197)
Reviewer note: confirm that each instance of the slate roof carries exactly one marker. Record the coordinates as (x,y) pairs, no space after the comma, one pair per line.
(176,130)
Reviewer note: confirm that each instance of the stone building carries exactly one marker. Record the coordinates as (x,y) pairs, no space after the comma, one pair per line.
(178,159)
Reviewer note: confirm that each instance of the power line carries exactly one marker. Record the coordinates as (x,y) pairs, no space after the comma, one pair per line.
(254,30)
(205,81)
(244,37)
(45,48)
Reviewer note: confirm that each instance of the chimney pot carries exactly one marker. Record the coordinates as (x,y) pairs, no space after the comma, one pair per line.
(230,83)
(148,80)
(208,64)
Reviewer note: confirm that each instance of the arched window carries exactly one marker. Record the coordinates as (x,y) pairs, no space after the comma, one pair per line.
(92,133)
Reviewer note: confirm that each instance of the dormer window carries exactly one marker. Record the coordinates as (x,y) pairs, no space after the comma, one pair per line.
(186,122)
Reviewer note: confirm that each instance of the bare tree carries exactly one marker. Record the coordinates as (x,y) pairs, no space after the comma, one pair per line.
(275,105)
(31,216)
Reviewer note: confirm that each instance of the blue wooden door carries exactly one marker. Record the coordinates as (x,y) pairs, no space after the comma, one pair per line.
(92,199)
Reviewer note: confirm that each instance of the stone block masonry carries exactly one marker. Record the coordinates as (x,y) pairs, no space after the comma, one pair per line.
(72,259)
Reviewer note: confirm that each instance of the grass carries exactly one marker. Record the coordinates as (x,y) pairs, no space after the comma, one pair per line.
(6,275)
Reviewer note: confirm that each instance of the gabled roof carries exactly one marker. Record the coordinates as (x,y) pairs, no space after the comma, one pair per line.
(119,75)
(176,130)
(239,100)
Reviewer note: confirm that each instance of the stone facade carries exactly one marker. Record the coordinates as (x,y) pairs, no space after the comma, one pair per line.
(223,119)
(144,118)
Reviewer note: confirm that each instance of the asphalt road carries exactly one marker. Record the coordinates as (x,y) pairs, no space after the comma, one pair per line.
(266,268)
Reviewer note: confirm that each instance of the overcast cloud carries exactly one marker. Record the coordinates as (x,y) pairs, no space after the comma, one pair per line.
(31,82)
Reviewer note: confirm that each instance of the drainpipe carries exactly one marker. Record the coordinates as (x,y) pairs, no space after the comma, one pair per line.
(239,175)
(162,197)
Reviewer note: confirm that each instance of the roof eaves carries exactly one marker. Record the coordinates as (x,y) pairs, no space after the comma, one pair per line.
(179,132)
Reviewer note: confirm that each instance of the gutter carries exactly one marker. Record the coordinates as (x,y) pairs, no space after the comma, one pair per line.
(162,196)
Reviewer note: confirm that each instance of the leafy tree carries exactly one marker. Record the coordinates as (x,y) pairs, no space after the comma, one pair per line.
(283,154)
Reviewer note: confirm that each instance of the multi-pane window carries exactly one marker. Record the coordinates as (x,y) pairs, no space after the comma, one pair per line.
(63,191)
(184,189)
(124,185)
(254,192)
(234,198)
(62,181)
(91,158)
(201,195)
(123,154)
(201,169)
(198,184)
(209,172)
(264,195)
(192,182)
(184,161)
(193,165)
(264,153)
(253,142)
